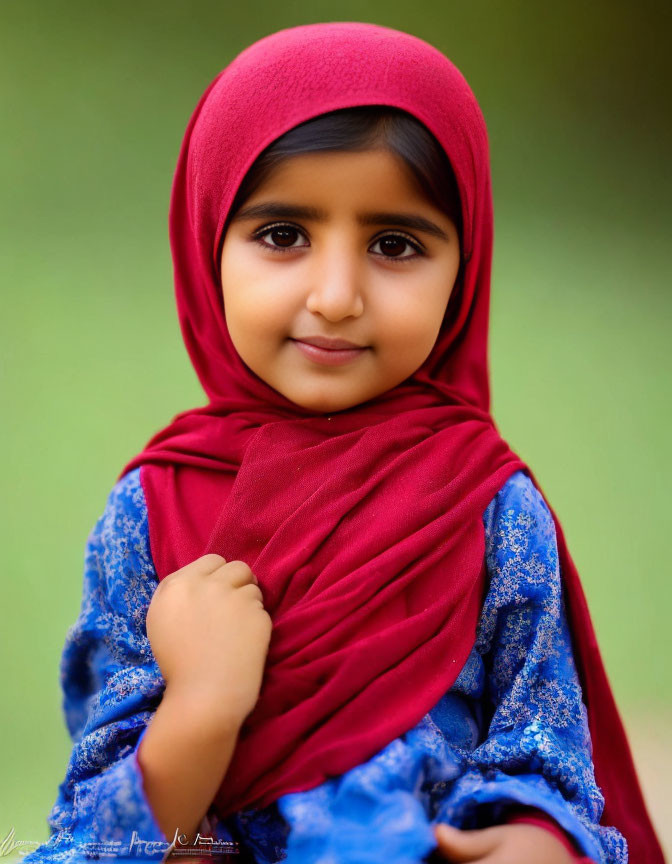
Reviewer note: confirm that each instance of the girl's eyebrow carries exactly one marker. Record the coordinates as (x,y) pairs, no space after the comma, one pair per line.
(279,210)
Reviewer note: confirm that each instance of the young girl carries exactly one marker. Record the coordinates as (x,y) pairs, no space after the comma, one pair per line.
(330,616)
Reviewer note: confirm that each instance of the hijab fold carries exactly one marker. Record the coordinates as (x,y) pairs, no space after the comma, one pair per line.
(363,527)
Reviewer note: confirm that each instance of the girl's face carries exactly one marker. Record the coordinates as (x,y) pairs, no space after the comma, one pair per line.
(337,246)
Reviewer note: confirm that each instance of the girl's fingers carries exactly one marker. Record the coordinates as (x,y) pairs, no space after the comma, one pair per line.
(462,846)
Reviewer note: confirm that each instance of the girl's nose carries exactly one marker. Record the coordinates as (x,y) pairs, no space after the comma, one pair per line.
(336,285)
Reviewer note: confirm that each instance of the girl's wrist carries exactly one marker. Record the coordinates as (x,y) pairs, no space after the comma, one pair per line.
(207,706)
(533,816)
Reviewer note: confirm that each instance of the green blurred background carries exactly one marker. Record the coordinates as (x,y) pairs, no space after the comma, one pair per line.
(94,101)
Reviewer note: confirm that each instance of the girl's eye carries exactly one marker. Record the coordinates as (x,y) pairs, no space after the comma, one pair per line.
(392,246)
(283,236)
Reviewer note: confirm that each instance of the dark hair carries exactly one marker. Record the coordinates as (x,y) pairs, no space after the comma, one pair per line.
(361,128)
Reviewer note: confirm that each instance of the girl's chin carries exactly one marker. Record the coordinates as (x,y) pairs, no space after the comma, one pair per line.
(322,403)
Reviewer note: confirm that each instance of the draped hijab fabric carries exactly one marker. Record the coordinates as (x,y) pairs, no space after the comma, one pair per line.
(363,527)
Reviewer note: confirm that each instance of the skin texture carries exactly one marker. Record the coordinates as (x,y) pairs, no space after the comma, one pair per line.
(336,277)
(501,844)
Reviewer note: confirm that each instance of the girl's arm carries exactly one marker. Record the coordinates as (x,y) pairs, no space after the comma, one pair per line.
(537,749)
(183,757)
(209,632)
(112,686)
(533,816)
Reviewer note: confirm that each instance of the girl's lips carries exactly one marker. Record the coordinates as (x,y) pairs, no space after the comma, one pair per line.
(328,356)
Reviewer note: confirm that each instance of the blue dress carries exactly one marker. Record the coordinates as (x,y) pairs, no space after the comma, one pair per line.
(512,729)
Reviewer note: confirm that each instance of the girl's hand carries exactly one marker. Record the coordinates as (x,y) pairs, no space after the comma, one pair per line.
(501,844)
(210,633)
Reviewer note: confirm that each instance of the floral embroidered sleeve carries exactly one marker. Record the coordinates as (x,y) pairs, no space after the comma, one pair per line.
(111,687)
(535,749)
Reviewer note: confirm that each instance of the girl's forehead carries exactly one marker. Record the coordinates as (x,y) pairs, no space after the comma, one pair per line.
(314,172)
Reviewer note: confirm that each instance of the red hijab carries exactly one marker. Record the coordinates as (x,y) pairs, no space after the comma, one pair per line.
(364,527)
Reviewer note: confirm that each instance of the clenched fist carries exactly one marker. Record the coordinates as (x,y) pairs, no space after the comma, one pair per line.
(210,633)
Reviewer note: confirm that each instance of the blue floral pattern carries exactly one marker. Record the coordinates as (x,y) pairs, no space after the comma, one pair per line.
(511,730)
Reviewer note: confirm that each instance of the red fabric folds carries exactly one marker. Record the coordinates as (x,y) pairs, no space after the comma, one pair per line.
(364,527)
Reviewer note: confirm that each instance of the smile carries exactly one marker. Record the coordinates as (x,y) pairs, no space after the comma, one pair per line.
(328,356)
